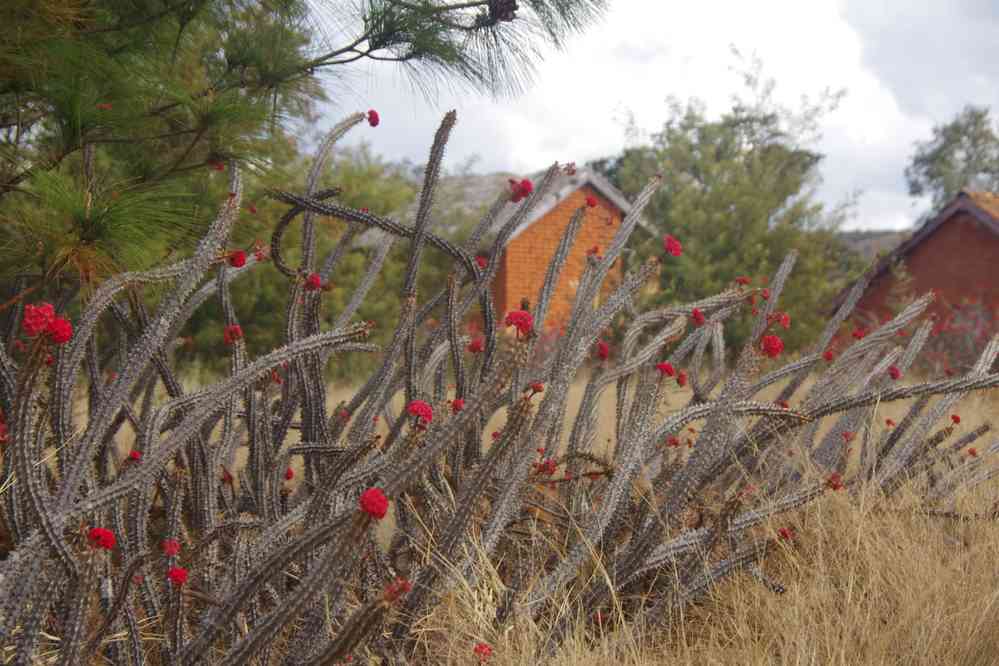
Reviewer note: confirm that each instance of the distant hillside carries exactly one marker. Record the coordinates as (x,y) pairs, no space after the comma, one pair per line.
(868,244)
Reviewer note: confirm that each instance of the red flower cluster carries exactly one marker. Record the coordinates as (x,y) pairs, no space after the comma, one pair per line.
(476,346)
(135,455)
(973,452)
(520,190)
(374,503)
(681,379)
(421,410)
(547,467)
(827,355)
(591,201)
(177,575)
(457,405)
(786,533)
(482,261)
(894,372)
(673,441)
(42,319)
(289,474)
(232,333)
(835,481)
(765,294)
(100,537)
(672,246)
(771,345)
(313,282)
(666,369)
(847,436)
(522,320)
(170,547)
(373,118)
(237,259)
(483,651)
(396,589)
(603,350)
(955,419)
(537,387)
(697,316)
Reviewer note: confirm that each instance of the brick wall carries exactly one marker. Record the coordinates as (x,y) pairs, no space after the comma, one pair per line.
(525,261)
(959,260)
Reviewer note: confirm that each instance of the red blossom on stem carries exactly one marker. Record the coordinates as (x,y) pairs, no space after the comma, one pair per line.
(314,282)
(681,379)
(603,350)
(835,481)
(672,246)
(134,455)
(858,333)
(482,261)
(591,201)
(593,251)
(955,419)
(890,423)
(765,294)
(396,589)
(232,333)
(537,387)
(421,410)
(101,537)
(743,280)
(457,405)
(827,355)
(771,345)
(786,533)
(374,503)
(697,316)
(37,318)
(237,258)
(483,651)
(520,190)
(170,547)
(289,474)
(476,346)
(177,575)
(60,331)
(894,372)
(973,452)
(373,118)
(665,369)
(521,320)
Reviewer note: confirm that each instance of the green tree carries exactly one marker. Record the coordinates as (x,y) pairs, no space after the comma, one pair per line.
(739,193)
(963,152)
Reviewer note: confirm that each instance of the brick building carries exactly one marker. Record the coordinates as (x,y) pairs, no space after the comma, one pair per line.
(955,255)
(533,243)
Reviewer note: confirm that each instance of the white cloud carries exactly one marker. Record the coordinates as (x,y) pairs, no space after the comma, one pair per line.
(643,52)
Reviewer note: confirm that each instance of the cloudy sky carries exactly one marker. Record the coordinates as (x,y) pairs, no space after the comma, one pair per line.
(906,66)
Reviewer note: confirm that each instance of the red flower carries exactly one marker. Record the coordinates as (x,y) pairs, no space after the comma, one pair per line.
(672,246)
(170,547)
(522,320)
(37,318)
(313,282)
(665,368)
(835,481)
(237,259)
(786,533)
(276,377)
(697,316)
(520,190)
(104,106)
(858,333)
(289,474)
(60,331)
(591,202)
(827,355)
(681,379)
(421,410)
(771,345)
(374,503)
(603,350)
(100,537)
(890,423)
(217,165)
(955,419)
(135,455)
(177,575)
(232,333)
(894,372)
(973,452)
(847,436)
(673,441)
(743,280)
(457,405)
(396,589)
(476,346)
(547,467)
(483,651)
(765,294)
(482,261)
(373,118)
(537,387)
(784,319)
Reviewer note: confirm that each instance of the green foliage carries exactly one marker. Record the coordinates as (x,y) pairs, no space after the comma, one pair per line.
(963,152)
(739,194)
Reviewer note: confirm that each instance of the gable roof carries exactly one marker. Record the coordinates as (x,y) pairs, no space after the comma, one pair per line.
(565,186)
(983,206)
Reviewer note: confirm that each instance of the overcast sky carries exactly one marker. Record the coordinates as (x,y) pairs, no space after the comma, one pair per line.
(907,66)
